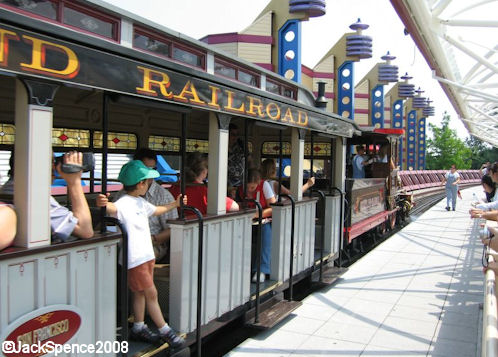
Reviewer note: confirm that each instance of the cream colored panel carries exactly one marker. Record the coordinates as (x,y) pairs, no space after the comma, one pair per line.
(261,26)
(56,287)
(362,88)
(22,289)
(255,52)
(227,47)
(307,81)
(361,119)
(327,65)
(361,103)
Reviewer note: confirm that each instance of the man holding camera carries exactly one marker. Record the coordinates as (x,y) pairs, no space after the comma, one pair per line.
(77,222)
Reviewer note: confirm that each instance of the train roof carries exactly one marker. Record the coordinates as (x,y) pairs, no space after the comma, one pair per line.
(101,59)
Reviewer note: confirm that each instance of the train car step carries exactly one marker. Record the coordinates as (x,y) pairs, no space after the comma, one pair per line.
(273,315)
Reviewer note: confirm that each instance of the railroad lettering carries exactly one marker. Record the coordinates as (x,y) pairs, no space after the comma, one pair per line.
(163,83)
(273,111)
(189,89)
(214,97)
(39,59)
(253,106)
(288,116)
(229,106)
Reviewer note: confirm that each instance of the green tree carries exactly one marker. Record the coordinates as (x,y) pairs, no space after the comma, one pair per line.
(481,152)
(444,148)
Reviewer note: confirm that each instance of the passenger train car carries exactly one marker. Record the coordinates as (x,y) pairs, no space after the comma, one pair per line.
(87,76)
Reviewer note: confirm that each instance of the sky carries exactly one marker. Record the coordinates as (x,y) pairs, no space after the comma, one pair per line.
(198,18)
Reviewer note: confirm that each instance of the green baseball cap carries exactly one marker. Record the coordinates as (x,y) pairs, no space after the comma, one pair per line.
(135,171)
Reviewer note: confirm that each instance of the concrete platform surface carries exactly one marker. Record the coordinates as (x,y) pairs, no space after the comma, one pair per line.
(416,294)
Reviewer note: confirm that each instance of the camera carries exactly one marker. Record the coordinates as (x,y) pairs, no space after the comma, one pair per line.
(88,164)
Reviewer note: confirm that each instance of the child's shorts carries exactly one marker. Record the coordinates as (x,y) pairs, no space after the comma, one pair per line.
(141,277)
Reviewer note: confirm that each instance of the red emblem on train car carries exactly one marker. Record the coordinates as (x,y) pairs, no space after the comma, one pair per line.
(36,333)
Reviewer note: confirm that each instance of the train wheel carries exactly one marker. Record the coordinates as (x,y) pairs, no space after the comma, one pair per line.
(392,221)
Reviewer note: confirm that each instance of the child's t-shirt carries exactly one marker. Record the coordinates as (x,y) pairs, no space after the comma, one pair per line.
(134,213)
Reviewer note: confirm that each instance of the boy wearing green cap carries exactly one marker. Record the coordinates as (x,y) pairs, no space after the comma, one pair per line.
(133,211)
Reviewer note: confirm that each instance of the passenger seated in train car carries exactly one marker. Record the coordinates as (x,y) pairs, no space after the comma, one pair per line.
(359,162)
(65,224)
(196,172)
(158,196)
(8,225)
(269,173)
(236,159)
(78,221)
(133,210)
(489,187)
(261,191)
(487,210)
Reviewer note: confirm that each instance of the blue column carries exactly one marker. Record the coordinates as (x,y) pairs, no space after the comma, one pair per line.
(411,134)
(396,123)
(421,144)
(289,50)
(377,106)
(345,95)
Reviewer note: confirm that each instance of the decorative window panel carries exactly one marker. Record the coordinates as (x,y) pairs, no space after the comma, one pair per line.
(164,143)
(75,138)
(319,149)
(273,148)
(116,140)
(197,145)
(7,134)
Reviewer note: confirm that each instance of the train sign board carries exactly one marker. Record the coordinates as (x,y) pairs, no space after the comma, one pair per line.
(26,53)
(38,332)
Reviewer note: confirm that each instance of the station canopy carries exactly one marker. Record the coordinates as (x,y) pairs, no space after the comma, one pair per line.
(459,40)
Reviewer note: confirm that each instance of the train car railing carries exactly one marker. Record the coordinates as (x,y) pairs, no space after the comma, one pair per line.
(304,243)
(226,268)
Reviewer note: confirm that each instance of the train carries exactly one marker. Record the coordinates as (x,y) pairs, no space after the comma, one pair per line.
(86,76)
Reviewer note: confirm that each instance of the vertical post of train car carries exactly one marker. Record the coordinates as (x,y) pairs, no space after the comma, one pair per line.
(244,172)
(312,144)
(92,173)
(183,149)
(105,131)
(280,158)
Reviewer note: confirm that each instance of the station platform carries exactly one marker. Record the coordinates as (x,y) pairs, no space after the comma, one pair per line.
(416,294)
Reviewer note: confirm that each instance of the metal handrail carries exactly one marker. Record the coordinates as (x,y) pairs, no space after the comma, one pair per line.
(291,261)
(123,275)
(258,255)
(341,222)
(322,243)
(200,246)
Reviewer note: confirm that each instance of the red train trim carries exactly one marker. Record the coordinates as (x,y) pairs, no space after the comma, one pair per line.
(367,224)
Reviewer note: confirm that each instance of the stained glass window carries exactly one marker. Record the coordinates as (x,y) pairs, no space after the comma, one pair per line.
(164,143)
(7,134)
(273,148)
(197,145)
(116,140)
(319,149)
(76,138)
